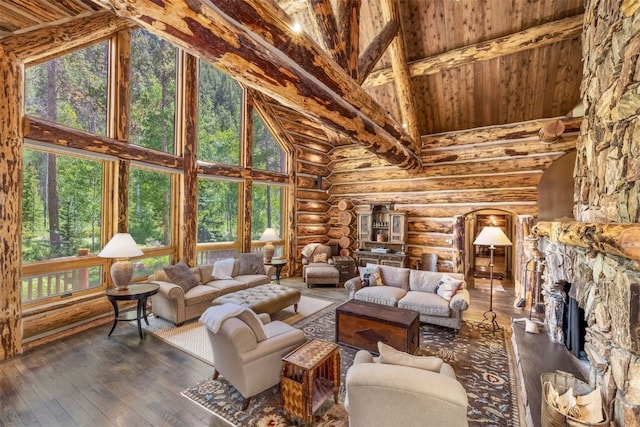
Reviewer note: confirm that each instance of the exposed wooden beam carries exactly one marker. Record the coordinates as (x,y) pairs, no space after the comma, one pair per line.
(253,42)
(48,42)
(349,29)
(531,38)
(402,78)
(326,21)
(376,49)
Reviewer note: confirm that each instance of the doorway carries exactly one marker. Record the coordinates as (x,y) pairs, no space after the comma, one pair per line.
(478,257)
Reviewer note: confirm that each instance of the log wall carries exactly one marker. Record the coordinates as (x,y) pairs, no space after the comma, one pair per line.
(487,168)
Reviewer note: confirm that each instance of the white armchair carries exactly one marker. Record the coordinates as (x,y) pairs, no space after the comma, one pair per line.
(248,348)
(392,394)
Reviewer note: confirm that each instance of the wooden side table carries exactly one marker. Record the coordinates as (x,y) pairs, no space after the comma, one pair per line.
(310,374)
(139,292)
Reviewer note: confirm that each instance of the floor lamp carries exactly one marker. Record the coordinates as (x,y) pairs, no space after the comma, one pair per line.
(492,237)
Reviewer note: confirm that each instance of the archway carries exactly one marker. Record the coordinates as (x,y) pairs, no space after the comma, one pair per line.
(477,257)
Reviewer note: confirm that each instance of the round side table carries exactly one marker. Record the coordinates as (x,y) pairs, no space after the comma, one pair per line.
(139,292)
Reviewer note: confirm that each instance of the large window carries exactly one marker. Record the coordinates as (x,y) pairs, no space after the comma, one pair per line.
(150,208)
(217,211)
(267,153)
(57,219)
(71,90)
(266,209)
(219,116)
(153,92)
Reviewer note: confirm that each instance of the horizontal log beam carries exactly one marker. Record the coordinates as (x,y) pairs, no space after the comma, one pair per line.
(531,38)
(254,43)
(609,238)
(47,42)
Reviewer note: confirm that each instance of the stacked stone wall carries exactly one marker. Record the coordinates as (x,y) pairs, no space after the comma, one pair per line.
(607,180)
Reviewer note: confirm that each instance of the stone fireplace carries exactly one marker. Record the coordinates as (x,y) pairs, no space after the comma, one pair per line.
(599,252)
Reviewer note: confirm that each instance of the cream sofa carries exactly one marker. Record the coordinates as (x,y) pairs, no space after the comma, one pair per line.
(414,290)
(174,304)
(382,394)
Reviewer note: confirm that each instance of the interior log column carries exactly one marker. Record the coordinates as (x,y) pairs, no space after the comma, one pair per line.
(11,141)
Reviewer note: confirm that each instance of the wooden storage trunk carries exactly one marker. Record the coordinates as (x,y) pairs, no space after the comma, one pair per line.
(362,324)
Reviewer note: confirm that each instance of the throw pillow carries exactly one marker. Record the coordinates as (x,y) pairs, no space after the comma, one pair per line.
(181,275)
(251,263)
(161,276)
(320,257)
(223,269)
(391,356)
(370,276)
(448,287)
(252,320)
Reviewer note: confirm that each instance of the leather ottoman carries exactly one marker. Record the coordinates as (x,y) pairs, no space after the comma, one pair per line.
(267,298)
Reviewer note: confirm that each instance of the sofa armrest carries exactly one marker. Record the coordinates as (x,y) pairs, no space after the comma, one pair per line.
(460,300)
(353,285)
(170,290)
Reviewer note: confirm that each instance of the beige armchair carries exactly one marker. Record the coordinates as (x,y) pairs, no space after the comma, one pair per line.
(317,265)
(390,394)
(248,348)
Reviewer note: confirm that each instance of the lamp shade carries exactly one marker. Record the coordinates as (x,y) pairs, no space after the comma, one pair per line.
(269,235)
(492,236)
(121,245)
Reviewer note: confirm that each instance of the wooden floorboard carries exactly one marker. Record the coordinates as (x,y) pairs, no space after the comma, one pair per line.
(89,379)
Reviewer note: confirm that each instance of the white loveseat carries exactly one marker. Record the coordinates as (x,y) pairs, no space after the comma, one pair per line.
(414,290)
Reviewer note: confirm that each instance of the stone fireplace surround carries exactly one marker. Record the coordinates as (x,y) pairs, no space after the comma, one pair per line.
(601,261)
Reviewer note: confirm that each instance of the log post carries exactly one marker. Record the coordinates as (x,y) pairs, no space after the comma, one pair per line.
(11,143)
(522,280)
(188,130)
(610,238)
(458,244)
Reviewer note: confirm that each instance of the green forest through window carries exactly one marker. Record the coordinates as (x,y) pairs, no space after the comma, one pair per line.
(71,90)
(150,208)
(267,153)
(217,211)
(153,92)
(219,116)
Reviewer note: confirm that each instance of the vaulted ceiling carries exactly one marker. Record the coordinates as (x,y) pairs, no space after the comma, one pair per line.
(433,65)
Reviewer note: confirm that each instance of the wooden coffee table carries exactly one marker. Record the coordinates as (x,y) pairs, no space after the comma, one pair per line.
(362,324)
(310,375)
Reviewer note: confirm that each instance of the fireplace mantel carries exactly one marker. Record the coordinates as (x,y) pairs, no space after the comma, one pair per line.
(610,238)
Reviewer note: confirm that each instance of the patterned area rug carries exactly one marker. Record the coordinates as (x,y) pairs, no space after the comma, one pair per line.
(479,357)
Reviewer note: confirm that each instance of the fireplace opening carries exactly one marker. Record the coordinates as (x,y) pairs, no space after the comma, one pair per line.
(574,325)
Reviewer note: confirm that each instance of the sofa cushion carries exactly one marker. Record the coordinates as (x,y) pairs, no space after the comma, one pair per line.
(321,257)
(394,276)
(391,356)
(252,279)
(252,320)
(206,272)
(426,303)
(182,275)
(223,269)
(370,276)
(250,263)
(227,285)
(424,281)
(199,294)
(448,287)
(385,295)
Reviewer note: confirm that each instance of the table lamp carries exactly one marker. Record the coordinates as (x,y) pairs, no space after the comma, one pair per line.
(270,235)
(121,247)
(492,237)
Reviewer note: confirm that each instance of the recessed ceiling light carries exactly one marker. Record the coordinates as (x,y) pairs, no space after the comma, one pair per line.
(297,27)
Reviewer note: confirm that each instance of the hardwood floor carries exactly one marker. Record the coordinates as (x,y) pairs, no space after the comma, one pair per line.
(91,379)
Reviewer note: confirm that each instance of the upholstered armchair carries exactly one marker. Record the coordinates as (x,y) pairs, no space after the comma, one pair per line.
(317,265)
(248,348)
(395,393)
